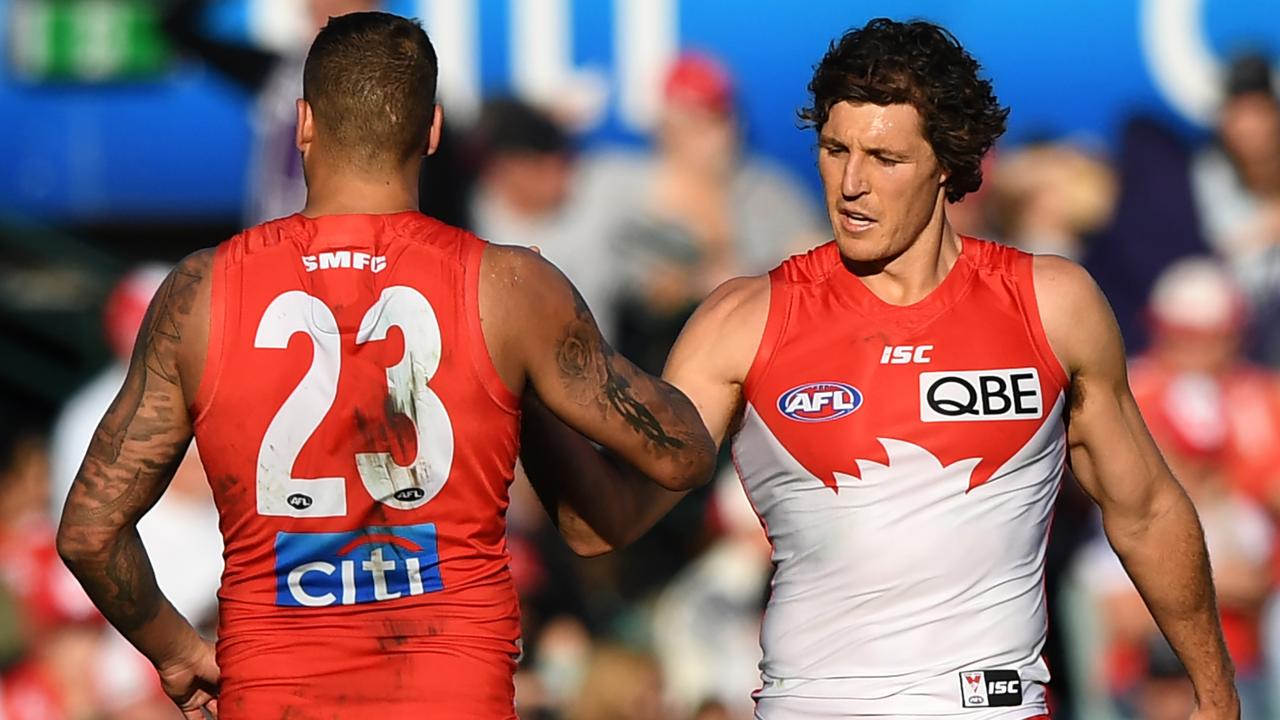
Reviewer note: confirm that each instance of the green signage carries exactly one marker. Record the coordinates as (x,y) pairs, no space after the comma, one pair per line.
(86,40)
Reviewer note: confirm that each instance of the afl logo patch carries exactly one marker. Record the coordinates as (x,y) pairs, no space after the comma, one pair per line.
(819,402)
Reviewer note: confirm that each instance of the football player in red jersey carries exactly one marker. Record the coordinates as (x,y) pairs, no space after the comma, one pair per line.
(901,402)
(353,375)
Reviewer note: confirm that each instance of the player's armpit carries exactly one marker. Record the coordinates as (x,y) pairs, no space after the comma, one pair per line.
(130,461)
(544,323)
(1148,518)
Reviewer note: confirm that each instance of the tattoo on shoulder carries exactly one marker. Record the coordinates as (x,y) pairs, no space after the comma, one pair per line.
(595,373)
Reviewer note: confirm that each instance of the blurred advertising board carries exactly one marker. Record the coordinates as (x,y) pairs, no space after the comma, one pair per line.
(174,140)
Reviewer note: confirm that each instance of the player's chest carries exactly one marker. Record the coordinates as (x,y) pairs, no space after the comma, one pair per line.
(969,388)
(971,367)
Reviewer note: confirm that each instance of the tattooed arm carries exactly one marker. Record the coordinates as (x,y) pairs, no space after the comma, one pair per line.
(599,505)
(541,334)
(130,461)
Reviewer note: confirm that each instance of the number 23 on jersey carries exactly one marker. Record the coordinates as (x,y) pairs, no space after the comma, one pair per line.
(404,487)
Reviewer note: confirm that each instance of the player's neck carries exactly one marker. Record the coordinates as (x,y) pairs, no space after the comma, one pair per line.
(918,270)
(348,193)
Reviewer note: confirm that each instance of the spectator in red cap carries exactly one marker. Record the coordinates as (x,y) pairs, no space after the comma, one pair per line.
(703,210)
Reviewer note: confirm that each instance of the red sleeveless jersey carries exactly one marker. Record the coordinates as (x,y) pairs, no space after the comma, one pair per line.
(359,443)
(904,461)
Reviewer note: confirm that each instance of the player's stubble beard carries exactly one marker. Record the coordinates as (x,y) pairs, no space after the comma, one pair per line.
(890,237)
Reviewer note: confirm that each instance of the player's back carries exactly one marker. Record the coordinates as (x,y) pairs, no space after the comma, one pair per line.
(359,444)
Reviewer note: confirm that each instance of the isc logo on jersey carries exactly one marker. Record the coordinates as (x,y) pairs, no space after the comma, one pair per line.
(373,564)
(970,395)
(990,688)
(820,401)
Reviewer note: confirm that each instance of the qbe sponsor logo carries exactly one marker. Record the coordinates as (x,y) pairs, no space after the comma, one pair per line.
(819,401)
(374,564)
(977,395)
(990,688)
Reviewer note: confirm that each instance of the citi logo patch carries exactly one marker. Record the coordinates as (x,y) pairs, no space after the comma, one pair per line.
(971,395)
(990,688)
(374,564)
(819,402)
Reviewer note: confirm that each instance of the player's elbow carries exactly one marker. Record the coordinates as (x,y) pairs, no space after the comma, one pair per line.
(1165,508)
(683,482)
(689,470)
(77,544)
(71,546)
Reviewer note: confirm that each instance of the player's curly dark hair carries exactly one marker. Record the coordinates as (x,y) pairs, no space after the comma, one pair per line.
(886,62)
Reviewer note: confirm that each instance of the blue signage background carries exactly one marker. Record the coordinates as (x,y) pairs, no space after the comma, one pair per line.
(178,146)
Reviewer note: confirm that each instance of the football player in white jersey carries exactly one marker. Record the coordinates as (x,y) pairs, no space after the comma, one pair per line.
(904,119)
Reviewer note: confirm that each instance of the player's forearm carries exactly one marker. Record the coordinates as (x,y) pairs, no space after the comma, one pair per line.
(1164,552)
(115,571)
(598,504)
(647,421)
(690,457)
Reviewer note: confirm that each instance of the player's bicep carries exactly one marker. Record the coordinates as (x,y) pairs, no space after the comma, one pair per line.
(1112,453)
(146,431)
(590,386)
(711,357)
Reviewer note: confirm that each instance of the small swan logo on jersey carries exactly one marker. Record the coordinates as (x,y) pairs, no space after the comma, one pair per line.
(820,401)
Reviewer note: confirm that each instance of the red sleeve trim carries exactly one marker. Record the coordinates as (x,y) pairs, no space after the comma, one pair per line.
(779,315)
(1025,282)
(481,361)
(218,299)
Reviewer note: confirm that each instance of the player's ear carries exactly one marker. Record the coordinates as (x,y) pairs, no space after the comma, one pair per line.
(433,137)
(306,128)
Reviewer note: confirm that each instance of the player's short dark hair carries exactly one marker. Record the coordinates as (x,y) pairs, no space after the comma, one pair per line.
(886,62)
(370,78)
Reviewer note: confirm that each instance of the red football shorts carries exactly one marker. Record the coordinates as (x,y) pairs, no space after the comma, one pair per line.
(348,678)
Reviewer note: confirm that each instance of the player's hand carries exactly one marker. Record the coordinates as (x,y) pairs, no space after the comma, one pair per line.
(191,681)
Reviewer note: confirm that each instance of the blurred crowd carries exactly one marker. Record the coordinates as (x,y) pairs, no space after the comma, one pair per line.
(1184,238)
